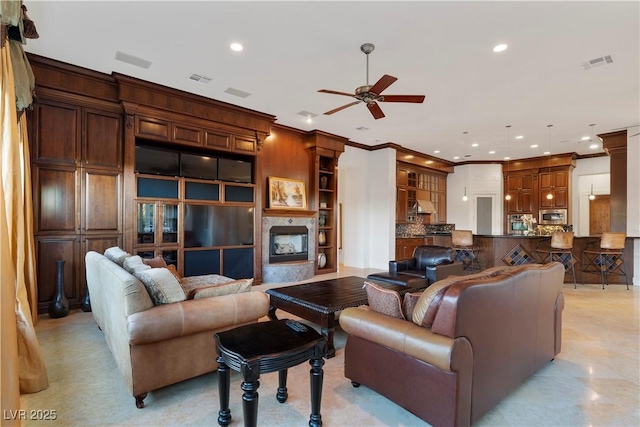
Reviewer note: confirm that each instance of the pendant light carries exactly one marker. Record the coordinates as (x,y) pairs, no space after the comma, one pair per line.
(465,198)
(591,195)
(550,194)
(508,196)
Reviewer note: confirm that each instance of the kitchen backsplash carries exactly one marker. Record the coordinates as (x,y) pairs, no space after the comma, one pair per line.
(419,229)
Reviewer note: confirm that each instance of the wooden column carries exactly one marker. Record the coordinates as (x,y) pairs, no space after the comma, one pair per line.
(615,144)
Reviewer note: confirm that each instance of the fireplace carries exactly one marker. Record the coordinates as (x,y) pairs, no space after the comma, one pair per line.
(288,243)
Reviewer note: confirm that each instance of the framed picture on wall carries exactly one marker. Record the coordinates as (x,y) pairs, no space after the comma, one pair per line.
(286,193)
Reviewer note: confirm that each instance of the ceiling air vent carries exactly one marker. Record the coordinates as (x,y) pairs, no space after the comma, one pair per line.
(200,78)
(597,62)
(133,60)
(237,92)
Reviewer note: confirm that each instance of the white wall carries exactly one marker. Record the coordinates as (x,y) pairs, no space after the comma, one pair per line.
(367,194)
(481,180)
(633,197)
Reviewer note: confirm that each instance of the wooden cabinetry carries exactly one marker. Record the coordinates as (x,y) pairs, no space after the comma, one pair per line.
(533,179)
(224,138)
(200,226)
(325,199)
(406,246)
(77,167)
(413,184)
(557,184)
(520,186)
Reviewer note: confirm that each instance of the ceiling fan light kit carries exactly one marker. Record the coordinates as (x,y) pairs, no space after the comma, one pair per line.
(371,94)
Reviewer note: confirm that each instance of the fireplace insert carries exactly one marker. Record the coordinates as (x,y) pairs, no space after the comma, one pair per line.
(288,243)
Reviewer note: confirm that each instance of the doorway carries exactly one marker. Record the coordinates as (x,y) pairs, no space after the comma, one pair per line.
(599,214)
(484,215)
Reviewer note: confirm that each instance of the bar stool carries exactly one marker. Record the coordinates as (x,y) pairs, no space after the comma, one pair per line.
(560,250)
(608,259)
(466,251)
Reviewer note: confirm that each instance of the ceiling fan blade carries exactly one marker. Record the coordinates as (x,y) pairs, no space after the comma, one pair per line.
(418,99)
(375,109)
(384,82)
(335,110)
(334,92)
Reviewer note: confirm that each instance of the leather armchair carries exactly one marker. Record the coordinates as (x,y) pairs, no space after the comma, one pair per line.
(429,264)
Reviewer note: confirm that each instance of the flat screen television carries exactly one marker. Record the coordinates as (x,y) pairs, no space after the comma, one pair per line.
(198,166)
(235,170)
(156,161)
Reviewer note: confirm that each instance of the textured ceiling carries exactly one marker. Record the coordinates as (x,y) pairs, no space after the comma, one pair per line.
(439,49)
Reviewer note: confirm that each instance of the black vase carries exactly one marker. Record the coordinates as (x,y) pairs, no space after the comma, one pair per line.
(85,304)
(59,307)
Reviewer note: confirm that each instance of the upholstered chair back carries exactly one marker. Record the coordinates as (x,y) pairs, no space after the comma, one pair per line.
(562,240)
(612,240)
(462,238)
(431,255)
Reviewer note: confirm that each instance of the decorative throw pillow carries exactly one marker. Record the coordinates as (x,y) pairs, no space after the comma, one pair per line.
(163,287)
(174,271)
(227,288)
(409,302)
(383,300)
(191,283)
(134,263)
(157,262)
(116,255)
(427,306)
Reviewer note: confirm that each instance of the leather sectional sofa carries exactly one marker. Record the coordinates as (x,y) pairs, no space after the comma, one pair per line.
(157,345)
(470,341)
(428,264)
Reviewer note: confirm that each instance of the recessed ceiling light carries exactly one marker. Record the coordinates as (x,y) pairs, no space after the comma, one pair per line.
(534,146)
(547,152)
(593,146)
(519,137)
(237,47)
(585,138)
(456,158)
(475,144)
(500,47)
(507,158)
(492,152)
(436,151)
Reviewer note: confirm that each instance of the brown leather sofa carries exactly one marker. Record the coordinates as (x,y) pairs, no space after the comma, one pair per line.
(428,264)
(157,345)
(471,341)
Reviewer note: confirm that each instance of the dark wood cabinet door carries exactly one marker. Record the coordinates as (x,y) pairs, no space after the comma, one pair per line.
(401,204)
(101,201)
(526,201)
(102,142)
(148,127)
(561,179)
(98,244)
(56,133)
(55,199)
(49,250)
(244,145)
(217,139)
(561,198)
(187,135)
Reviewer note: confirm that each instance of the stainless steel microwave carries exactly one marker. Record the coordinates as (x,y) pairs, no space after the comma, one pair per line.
(553,217)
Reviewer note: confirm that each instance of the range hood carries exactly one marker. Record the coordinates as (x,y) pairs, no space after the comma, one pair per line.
(425,206)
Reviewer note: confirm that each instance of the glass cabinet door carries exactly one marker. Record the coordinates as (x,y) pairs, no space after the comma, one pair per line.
(146,223)
(169,223)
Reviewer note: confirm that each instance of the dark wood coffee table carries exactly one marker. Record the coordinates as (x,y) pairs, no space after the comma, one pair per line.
(267,347)
(318,302)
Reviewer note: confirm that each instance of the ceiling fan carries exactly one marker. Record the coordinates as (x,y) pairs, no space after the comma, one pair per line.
(371,94)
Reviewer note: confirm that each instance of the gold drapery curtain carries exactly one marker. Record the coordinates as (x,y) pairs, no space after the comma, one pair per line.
(23,368)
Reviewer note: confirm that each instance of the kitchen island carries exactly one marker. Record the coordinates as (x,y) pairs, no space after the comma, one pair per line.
(496,250)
